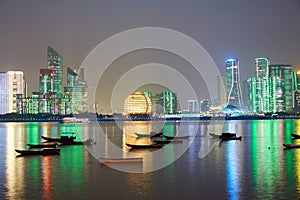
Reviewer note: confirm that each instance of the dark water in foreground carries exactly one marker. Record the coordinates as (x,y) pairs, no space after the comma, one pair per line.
(255,168)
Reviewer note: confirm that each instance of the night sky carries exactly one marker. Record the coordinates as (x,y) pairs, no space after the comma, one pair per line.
(225,28)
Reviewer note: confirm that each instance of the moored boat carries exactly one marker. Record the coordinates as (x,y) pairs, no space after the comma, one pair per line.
(121,160)
(231,138)
(291,146)
(43,145)
(177,137)
(167,141)
(145,145)
(62,139)
(152,134)
(38,152)
(295,136)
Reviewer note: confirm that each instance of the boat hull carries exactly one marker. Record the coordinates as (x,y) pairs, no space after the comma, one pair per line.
(290,146)
(176,137)
(121,160)
(230,138)
(39,152)
(140,146)
(54,145)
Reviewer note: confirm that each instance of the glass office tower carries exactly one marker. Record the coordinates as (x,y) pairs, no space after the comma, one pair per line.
(55,63)
(261,98)
(296,90)
(282,92)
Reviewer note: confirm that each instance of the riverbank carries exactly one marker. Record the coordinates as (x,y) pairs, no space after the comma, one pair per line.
(108,118)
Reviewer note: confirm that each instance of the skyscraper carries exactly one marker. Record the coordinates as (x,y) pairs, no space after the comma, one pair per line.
(166,102)
(260,92)
(46,80)
(234,94)
(281,92)
(11,84)
(55,64)
(76,92)
(3,93)
(296,89)
(261,67)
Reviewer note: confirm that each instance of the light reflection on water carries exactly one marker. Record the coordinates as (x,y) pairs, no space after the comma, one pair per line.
(256,167)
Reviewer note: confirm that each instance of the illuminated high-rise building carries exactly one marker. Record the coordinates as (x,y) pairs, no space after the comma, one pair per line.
(296,90)
(15,86)
(3,93)
(281,91)
(76,92)
(234,94)
(260,89)
(261,67)
(166,103)
(11,84)
(46,81)
(55,63)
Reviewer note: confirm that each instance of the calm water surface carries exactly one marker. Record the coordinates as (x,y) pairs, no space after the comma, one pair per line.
(255,168)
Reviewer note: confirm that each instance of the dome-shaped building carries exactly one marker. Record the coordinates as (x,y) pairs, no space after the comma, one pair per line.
(137,103)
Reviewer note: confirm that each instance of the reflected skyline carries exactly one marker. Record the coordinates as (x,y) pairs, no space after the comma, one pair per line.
(255,167)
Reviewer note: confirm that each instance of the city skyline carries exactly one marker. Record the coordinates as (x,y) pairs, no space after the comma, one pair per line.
(254,29)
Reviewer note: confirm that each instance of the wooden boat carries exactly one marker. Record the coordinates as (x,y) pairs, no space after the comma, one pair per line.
(145,145)
(167,141)
(228,135)
(43,145)
(152,134)
(38,152)
(72,142)
(291,146)
(295,136)
(231,138)
(62,139)
(121,160)
(177,137)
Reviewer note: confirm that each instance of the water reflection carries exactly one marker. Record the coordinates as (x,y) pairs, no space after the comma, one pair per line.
(255,167)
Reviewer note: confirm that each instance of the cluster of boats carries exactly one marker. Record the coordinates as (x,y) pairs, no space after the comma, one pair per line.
(158,140)
(50,146)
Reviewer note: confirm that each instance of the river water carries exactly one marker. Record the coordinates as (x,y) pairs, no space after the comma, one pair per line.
(257,167)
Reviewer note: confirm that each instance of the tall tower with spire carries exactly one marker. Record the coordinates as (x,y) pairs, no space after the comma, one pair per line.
(234,94)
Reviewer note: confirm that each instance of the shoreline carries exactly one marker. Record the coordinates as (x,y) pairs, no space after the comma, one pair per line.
(111,119)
